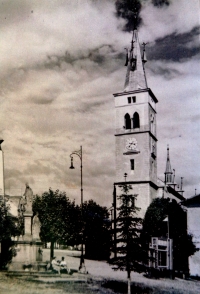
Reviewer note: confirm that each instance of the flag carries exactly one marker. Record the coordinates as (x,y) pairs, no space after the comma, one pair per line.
(166,219)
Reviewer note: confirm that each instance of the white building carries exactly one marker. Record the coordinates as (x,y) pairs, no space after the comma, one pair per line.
(193,221)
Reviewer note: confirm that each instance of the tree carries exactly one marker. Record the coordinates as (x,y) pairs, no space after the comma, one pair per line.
(154,226)
(96,232)
(57,215)
(8,229)
(128,247)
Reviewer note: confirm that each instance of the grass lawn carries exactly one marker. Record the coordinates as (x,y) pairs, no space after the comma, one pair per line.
(13,285)
(17,285)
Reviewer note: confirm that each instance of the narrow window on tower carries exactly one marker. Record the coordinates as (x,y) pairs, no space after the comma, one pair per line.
(129,100)
(136,120)
(127,121)
(132,164)
(134,99)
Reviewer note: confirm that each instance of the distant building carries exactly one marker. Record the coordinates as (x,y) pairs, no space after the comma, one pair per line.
(193,223)
(169,188)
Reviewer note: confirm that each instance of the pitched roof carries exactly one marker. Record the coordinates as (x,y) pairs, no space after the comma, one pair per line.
(192,202)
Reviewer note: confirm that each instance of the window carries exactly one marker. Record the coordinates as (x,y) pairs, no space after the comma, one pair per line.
(136,120)
(133,99)
(132,164)
(127,121)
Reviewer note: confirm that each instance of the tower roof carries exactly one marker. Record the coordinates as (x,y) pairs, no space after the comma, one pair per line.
(135,76)
(168,164)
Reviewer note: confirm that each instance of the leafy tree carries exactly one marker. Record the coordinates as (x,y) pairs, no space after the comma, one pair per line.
(57,215)
(154,226)
(128,247)
(8,228)
(96,232)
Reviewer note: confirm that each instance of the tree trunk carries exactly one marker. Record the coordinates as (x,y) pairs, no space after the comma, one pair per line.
(129,281)
(129,285)
(51,250)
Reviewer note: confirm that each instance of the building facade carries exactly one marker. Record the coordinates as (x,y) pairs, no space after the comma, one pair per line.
(135,130)
(136,151)
(192,205)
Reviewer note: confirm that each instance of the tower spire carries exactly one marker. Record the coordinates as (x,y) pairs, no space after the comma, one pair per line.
(168,171)
(135,76)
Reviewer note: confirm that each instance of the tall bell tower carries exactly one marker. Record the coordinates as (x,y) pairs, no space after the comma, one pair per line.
(135,130)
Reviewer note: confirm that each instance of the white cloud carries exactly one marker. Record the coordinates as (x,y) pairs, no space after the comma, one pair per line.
(179,17)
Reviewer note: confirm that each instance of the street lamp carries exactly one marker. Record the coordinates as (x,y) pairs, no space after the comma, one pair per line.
(79,153)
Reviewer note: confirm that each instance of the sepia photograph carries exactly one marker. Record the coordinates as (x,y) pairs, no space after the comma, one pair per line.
(99,146)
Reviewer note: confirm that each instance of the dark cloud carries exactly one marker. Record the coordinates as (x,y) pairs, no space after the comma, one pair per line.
(56,61)
(130,11)
(99,55)
(42,100)
(175,47)
(161,3)
(168,73)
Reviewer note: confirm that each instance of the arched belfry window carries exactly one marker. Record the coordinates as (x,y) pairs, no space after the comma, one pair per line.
(136,120)
(127,121)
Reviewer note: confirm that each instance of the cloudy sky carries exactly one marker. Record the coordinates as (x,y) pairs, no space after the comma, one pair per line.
(62,60)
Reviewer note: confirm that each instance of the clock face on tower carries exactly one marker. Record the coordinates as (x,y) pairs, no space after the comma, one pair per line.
(131,144)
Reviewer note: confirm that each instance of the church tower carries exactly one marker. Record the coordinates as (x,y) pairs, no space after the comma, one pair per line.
(135,130)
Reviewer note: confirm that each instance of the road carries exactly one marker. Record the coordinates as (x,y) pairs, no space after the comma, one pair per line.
(101,269)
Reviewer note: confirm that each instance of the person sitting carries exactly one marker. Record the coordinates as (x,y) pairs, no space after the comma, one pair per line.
(55,265)
(63,266)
